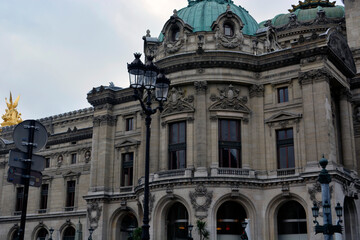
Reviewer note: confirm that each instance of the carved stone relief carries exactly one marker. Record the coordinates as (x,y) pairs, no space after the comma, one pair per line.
(200,86)
(178,103)
(315,193)
(107,119)
(94,214)
(350,190)
(313,75)
(201,198)
(229,99)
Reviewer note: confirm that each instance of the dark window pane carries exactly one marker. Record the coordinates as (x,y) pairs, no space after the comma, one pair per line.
(291,219)
(127,169)
(283,95)
(177,145)
(285,148)
(19,198)
(229,143)
(129,124)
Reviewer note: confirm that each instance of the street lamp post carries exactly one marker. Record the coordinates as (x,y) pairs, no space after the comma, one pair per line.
(147,78)
(51,233)
(91,230)
(327,229)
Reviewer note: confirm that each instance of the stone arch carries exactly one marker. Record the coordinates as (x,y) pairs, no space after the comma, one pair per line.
(38,228)
(241,199)
(12,232)
(117,217)
(351,223)
(63,228)
(272,211)
(161,210)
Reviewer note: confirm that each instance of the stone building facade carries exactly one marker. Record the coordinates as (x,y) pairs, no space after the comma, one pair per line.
(251,109)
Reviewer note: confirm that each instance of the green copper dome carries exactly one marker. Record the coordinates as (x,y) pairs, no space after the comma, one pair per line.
(200,14)
(304,15)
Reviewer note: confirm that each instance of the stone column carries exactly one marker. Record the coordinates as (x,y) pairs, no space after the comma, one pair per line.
(347,131)
(257,126)
(318,125)
(200,127)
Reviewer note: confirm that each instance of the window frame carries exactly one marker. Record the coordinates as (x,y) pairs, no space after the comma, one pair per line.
(177,147)
(286,144)
(230,26)
(229,144)
(127,166)
(70,195)
(129,124)
(283,94)
(19,199)
(73,159)
(44,197)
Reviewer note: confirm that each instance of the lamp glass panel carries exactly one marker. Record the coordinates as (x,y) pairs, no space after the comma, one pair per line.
(161,91)
(150,79)
(136,77)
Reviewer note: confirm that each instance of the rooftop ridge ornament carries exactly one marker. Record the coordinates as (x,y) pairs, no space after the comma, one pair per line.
(308,4)
(11,116)
(193,2)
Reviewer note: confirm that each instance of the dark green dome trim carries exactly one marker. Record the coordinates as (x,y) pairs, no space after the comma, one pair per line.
(201,14)
(305,15)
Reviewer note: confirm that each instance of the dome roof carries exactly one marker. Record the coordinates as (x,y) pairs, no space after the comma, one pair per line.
(308,11)
(200,14)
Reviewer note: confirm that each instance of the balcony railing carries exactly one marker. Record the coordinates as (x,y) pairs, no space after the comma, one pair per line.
(233,171)
(285,172)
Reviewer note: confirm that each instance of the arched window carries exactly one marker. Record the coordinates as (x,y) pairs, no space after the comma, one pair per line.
(177,222)
(230,217)
(42,234)
(350,220)
(69,233)
(14,235)
(291,222)
(126,225)
(228,30)
(175,33)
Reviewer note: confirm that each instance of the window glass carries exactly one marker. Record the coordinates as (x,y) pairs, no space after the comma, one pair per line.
(229,143)
(47,162)
(229,217)
(44,196)
(70,198)
(291,221)
(19,198)
(285,148)
(283,95)
(228,30)
(175,33)
(177,145)
(127,169)
(177,222)
(129,124)
(69,233)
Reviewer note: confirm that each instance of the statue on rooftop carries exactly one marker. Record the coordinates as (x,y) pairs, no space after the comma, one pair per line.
(11,116)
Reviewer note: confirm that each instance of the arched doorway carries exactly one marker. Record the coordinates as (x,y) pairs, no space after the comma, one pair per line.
(42,234)
(177,222)
(350,220)
(69,233)
(291,222)
(14,235)
(125,227)
(229,219)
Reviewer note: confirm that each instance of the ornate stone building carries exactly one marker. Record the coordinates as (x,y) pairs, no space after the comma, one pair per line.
(251,109)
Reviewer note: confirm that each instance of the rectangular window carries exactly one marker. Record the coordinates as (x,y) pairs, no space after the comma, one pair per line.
(229,143)
(19,199)
(129,124)
(177,145)
(283,95)
(285,148)
(47,162)
(70,196)
(44,197)
(127,169)
(73,158)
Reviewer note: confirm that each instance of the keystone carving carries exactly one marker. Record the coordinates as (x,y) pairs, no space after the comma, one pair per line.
(256,90)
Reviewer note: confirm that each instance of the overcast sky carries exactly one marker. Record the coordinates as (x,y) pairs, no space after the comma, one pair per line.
(53,52)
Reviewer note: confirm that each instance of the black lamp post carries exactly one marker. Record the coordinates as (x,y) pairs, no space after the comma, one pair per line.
(327,229)
(91,230)
(147,78)
(51,230)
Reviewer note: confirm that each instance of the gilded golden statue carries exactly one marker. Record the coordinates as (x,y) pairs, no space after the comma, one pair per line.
(11,116)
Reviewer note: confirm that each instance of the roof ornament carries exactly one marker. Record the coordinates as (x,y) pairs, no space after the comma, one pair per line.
(175,13)
(148,33)
(228,7)
(308,4)
(11,116)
